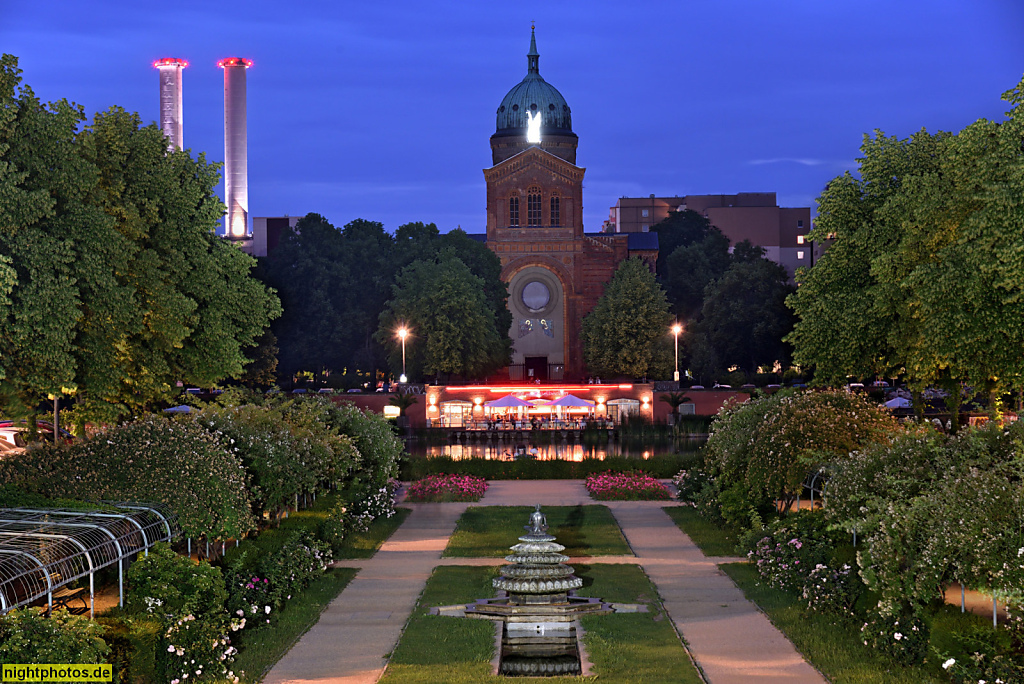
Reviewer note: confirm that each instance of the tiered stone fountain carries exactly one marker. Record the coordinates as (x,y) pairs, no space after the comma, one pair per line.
(537,609)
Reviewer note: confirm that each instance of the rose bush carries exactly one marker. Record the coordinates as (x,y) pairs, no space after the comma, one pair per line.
(445,487)
(629,486)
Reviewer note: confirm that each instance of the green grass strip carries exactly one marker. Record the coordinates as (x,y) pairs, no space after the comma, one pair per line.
(710,538)
(489,531)
(626,648)
(260,650)
(365,544)
(832,645)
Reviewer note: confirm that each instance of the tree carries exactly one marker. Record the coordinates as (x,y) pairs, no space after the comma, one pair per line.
(675,400)
(44,186)
(312,272)
(621,335)
(453,327)
(744,316)
(121,288)
(923,279)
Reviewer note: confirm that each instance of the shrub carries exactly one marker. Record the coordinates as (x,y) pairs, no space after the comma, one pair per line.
(447,488)
(152,459)
(300,560)
(630,486)
(196,650)
(367,506)
(832,589)
(763,450)
(250,599)
(899,632)
(167,585)
(28,637)
(794,554)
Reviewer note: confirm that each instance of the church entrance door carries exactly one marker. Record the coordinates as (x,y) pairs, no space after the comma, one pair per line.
(536,368)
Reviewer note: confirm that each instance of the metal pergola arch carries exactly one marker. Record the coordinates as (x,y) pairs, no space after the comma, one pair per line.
(42,550)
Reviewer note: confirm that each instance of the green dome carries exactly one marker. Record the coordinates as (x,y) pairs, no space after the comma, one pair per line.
(536,95)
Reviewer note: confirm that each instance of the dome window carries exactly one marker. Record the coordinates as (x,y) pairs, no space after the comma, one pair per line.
(551,107)
(502,108)
(534,106)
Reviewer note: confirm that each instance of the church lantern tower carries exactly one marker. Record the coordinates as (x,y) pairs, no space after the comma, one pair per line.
(555,272)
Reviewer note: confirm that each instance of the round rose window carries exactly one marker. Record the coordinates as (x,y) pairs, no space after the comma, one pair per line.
(536,295)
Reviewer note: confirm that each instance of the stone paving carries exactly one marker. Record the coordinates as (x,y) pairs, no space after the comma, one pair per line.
(729,638)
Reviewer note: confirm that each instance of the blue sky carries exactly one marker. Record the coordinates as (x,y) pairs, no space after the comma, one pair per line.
(383,110)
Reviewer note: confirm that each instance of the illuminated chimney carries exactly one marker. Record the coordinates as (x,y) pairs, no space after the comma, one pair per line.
(170,100)
(236,174)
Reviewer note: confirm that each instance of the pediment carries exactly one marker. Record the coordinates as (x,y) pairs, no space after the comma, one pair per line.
(533,157)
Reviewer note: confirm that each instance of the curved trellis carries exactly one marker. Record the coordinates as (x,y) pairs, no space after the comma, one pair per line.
(43,551)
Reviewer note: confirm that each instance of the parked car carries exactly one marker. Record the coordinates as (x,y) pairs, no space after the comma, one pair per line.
(14,435)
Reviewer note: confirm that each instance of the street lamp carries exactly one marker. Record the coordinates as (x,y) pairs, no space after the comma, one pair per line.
(402,334)
(676,329)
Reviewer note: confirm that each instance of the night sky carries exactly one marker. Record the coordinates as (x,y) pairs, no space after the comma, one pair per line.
(383,110)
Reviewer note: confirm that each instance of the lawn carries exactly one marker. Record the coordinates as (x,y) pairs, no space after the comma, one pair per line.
(365,544)
(259,651)
(711,539)
(489,531)
(832,645)
(639,647)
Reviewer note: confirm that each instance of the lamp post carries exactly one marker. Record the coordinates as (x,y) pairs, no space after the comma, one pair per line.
(402,334)
(676,329)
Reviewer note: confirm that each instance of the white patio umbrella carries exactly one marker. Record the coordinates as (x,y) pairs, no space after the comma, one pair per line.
(508,401)
(898,403)
(572,401)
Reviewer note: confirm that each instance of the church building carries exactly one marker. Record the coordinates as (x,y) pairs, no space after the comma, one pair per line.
(555,271)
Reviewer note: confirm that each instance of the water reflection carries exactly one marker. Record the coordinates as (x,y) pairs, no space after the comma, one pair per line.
(540,452)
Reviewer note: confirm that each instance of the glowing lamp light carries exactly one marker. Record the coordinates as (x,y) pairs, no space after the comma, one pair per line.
(645,400)
(600,401)
(234,61)
(432,399)
(392,411)
(478,400)
(533,127)
(403,332)
(171,62)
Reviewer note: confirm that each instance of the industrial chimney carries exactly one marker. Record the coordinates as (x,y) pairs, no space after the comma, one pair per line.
(236,174)
(170,100)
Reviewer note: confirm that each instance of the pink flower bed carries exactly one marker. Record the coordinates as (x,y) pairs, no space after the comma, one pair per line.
(631,486)
(447,488)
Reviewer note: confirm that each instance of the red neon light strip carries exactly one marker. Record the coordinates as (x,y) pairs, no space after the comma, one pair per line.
(534,388)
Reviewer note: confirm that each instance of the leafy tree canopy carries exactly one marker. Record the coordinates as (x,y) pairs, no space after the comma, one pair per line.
(120,287)
(923,279)
(453,327)
(744,316)
(627,332)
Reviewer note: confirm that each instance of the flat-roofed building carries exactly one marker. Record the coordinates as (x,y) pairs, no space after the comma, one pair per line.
(754,216)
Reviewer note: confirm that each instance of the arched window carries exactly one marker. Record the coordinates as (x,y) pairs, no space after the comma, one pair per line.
(533,212)
(556,210)
(513,211)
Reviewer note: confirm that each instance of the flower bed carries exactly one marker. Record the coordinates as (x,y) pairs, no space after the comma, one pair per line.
(630,486)
(445,487)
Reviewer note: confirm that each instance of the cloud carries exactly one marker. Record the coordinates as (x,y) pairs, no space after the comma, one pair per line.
(787,160)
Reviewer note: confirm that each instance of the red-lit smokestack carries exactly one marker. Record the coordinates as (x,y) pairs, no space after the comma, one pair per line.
(170,100)
(236,173)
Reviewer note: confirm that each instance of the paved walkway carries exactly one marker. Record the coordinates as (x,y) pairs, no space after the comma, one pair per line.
(359,628)
(731,641)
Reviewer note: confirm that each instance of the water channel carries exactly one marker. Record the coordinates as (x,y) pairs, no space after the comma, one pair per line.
(565,451)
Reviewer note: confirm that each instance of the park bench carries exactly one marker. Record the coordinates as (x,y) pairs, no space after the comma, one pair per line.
(63,597)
